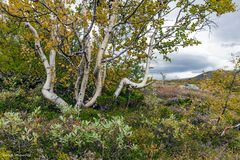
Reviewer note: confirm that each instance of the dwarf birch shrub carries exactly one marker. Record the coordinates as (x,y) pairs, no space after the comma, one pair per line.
(33,136)
(19,134)
(106,136)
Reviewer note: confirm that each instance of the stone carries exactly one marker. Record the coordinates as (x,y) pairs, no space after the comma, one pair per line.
(190,87)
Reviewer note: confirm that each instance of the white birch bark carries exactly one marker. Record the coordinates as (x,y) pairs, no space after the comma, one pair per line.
(79,78)
(52,58)
(76,87)
(47,89)
(99,69)
(87,61)
(81,95)
(126,81)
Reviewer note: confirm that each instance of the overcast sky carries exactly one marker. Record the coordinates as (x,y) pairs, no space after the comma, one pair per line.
(214,52)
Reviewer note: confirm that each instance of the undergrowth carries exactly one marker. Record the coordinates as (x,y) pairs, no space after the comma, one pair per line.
(175,124)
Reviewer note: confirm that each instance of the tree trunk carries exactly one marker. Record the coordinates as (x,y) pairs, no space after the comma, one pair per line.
(87,62)
(79,78)
(126,81)
(47,89)
(99,68)
(86,59)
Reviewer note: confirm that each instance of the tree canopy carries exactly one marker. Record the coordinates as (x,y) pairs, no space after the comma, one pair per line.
(97,42)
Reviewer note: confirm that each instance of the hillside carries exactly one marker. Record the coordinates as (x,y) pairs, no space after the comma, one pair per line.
(208,75)
(75,81)
(159,122)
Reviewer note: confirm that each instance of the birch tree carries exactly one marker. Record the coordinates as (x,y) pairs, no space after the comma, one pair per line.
(102,39)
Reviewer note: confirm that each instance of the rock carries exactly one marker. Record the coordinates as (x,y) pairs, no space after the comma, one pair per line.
(190,87)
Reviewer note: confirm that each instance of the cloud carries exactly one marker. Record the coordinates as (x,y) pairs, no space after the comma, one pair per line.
(226,45)
(180,75)
(214,52)
(228,30)
(183,63)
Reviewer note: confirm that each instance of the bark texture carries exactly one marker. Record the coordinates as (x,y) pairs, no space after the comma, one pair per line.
(49,66)
(99,70)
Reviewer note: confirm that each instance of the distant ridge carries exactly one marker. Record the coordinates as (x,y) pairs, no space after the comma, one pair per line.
(203,75)
(206,75)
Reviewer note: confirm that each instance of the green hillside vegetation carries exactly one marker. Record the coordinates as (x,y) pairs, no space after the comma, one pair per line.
(158,122)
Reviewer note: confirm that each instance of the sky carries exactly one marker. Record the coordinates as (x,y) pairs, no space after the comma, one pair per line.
(214,52)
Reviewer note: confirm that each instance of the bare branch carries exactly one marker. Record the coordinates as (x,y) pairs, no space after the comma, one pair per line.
(130,15)
(93,20)
(231,127)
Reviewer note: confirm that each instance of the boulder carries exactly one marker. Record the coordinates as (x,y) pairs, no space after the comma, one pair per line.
(190,87)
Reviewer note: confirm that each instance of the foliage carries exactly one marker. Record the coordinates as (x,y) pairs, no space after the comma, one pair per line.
(153,123)
(33,136)
(22,100)
(219,84)
(153,129)
(114,34)
(129,98)
(17,58)
(185,131)
(107,137)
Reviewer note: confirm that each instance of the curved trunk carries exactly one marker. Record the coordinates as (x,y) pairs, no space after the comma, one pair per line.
(47,89)
(126,81)
(99,69)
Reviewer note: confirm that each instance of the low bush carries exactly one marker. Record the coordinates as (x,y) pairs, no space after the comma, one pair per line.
(66,136)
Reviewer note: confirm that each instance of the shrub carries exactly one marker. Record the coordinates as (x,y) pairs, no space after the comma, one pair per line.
(65,136)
